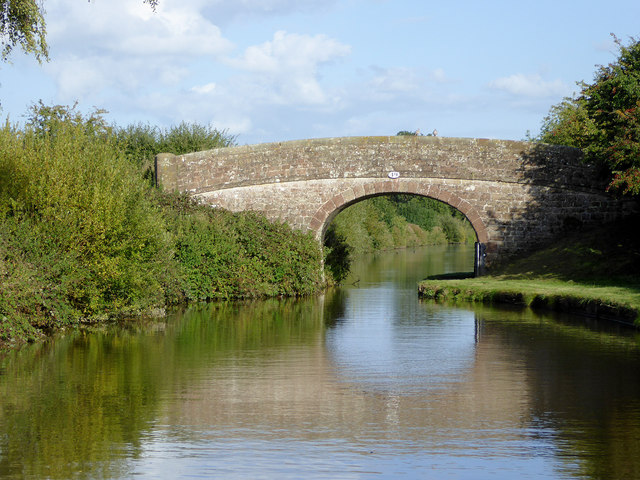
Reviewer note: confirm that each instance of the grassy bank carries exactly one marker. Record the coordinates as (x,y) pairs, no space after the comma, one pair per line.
(85,237)
(593,272)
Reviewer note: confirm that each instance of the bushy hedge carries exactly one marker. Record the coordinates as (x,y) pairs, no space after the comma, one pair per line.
(142,142)
(225,255)
(84,236)
(78,218)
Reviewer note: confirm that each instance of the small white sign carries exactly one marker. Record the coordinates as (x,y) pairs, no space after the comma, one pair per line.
(394,174)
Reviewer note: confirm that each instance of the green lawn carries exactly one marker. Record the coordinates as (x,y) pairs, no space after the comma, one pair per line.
(596,272)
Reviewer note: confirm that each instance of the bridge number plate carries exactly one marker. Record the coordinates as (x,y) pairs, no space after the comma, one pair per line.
(394,174)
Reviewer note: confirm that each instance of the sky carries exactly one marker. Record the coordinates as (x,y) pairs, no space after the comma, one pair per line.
(277,70)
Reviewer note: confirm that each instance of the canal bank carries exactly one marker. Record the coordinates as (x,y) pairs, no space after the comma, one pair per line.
(592,272)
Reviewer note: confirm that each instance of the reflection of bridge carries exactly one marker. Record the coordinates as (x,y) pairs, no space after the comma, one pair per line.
(515,194)
(300,391)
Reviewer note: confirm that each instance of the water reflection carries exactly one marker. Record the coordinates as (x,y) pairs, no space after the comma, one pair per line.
(364,381)
(402,269)
(386,350)
(584,382)
(76,406)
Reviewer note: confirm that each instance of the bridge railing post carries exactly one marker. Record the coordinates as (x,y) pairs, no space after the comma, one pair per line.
(479,267)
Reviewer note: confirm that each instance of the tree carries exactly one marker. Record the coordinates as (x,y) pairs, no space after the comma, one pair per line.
(612,102)
(567,124)
(22,25)
(47,120)
(604,121)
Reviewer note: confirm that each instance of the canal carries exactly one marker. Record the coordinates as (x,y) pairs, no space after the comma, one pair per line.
(366,381)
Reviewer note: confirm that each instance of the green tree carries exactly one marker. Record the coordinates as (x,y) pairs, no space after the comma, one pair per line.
(604,121)
(142,142)
(613,104)
(48,120)
(22,25)
(567,123)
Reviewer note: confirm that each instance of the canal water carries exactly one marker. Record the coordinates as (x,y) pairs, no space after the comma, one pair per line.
(366,381)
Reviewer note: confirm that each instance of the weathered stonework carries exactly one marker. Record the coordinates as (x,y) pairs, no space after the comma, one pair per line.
(515,194)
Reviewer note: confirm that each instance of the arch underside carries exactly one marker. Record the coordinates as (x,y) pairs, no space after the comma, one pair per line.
(322,218)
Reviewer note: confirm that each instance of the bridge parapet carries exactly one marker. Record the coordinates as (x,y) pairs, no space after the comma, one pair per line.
(374,157)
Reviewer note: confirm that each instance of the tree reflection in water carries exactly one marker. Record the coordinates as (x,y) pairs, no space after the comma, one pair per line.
(363,379)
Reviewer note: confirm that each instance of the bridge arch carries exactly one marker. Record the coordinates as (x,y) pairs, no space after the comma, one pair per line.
(327,212)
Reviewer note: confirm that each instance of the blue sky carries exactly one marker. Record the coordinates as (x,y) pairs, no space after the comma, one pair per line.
(276,70)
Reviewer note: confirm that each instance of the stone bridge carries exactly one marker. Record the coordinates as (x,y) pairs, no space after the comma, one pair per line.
(517,195)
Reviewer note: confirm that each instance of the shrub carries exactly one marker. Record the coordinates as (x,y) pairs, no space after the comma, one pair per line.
(76,209)
(226,255)
(84,236)
(142,142)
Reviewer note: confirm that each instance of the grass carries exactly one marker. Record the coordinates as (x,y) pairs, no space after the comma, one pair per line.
(593,272)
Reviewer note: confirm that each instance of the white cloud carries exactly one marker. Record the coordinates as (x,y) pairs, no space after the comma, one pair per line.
(125,46)
(530,86)
(280,5)
(439,76)
(124,27)
(291,52)
(285,69)
(402,88)
(235,124)
(175,64)
(76,77)
(204,89)
(87,78)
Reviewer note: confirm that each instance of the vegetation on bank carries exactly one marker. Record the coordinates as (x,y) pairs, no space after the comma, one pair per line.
(397,221)
(84,236)
(390,222)
(594,272)
(604,120)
